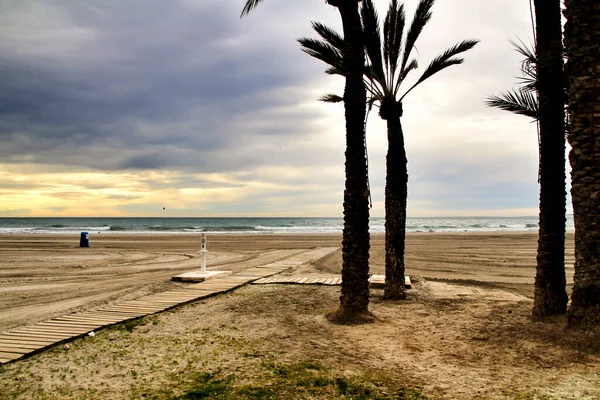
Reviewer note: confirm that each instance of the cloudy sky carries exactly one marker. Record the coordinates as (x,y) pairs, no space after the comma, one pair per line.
(123,107)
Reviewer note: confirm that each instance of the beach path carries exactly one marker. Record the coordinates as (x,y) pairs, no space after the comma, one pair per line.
(27,340)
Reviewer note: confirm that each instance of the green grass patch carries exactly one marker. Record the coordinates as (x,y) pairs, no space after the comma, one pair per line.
(303,380)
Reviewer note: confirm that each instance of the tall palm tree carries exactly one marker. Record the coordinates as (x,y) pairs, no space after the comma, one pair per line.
(550,282)
(582,44)
(385,74)
(543,98)
(354,299)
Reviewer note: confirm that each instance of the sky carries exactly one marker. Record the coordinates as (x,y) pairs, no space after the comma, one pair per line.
(126,107)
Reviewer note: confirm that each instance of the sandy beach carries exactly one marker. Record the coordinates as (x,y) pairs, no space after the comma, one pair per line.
(464,332)
(47,275)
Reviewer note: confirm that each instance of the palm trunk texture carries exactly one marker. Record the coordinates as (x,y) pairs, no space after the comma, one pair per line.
(354,297)
(550,282)
(582,43)
(396,192)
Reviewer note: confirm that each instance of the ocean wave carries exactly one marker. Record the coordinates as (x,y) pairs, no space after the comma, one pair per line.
(531,225)
(173,228)
(66,228)
(232,228)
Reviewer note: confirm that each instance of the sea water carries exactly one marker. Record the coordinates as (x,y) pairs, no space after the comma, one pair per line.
(258,225)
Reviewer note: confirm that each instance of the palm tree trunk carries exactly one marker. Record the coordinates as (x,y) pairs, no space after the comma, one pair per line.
(354,299)
(582,42)
(396,192)
(550,282)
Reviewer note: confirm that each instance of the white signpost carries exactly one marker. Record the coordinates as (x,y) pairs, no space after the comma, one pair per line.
(203,251)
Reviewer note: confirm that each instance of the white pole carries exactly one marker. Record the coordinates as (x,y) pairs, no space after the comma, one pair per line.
(203,251)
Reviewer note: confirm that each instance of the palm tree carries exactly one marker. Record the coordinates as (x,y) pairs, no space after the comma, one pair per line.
(385,74)
(582,44)
(544,78)
(354,299)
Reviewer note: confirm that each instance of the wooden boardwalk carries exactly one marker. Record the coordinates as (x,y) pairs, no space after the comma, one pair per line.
(375,281)
(27,340)
(302,280)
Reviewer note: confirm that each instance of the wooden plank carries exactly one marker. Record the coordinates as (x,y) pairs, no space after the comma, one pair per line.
(138,310)
(53,329)
(20,348)
(106,316)
(19,352)
(159,303)
(9,356)
(33,341)
(59,330)
(34,334)
(99,320)
(73,324)
(133,307)
(24,338)
(129,314)
(23,345)
(70,324)
(218,284)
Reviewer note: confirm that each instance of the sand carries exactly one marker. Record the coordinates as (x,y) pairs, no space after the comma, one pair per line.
(464,333)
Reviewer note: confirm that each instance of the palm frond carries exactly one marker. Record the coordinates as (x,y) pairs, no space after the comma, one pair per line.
(331,98)
(373,86)
(249,6)
(393,30)
(322,51)
(516,101)
(444,61)
(527,83)
(329,35)
(403,73)
(335,71)
(421,18)
(526,51)
(372,35)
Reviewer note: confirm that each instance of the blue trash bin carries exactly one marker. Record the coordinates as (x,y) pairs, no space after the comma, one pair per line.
(84,239)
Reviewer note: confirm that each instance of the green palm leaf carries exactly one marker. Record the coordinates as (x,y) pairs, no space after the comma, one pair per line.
(324,52)
(329,35)
(516,101)
(444,61)
(393,29)
(528,66)
(370,22)
(411,65)
(249,6)
(422,16)
(331,98)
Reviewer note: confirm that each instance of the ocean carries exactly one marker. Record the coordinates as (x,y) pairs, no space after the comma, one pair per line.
(256,225)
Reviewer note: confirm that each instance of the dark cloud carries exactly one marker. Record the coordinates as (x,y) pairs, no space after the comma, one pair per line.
(154,87)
